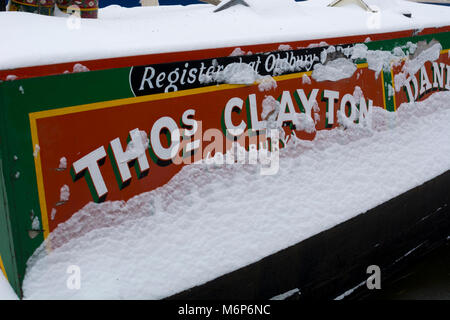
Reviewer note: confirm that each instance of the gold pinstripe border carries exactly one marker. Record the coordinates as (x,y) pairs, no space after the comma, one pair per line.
(3,268)
(393,88)
(383,88)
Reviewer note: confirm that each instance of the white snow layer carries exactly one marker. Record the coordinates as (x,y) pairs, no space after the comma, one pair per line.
(334,70)
(31,39)
(208,220)
(234,73)
(6,292)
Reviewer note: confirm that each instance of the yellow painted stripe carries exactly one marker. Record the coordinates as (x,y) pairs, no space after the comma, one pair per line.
(39,178)
(3,268)
(382,89)
(445,51)
(114,103)
(134,100)
(362,65)
(393,88)
(292,76)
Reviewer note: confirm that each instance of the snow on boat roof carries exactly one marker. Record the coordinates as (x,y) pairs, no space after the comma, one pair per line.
(32,40)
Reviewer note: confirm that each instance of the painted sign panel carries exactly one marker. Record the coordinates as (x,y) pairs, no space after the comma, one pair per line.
(75,132)
(112,133)
(183,75)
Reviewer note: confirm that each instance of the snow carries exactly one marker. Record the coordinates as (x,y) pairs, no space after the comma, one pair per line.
(53,214)
(36,225)
(430,54)
(64,193)
(267,83)
(306,79)
(320,44)
(284,47)
(390,91)
(350,291)
(136,148)
(62,163)
(270,106)
(409,252)
(286,295)
(379,60)
(165,241)
(237,52)
(233,73)
(334,70)
(145,30)
(412,66)
(78,67)
(6,292)
(358,93)
(37,148)
(11,77)
(305,122)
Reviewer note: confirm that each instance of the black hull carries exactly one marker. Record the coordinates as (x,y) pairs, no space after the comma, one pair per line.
(328,264)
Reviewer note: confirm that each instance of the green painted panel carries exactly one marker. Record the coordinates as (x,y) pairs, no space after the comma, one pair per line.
(19,98)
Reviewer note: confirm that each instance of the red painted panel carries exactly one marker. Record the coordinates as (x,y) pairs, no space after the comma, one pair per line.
(76,134)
